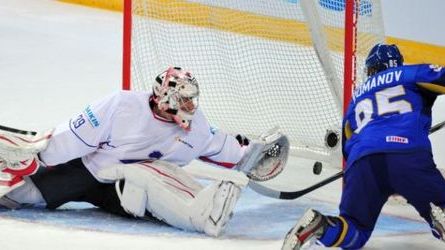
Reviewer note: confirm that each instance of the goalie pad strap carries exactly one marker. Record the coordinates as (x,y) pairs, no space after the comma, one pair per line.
(132,198)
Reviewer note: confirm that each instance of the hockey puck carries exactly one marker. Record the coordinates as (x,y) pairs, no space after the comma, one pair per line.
(332,138)
(317,168)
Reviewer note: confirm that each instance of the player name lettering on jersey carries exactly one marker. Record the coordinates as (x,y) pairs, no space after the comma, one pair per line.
(376,81)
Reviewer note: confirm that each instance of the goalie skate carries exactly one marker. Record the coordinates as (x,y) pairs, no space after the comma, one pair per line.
(306,232)
(438,222)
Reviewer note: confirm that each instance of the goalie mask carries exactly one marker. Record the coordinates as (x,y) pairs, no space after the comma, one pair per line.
(176,92)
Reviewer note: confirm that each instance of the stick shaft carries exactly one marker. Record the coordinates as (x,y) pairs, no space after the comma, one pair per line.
(17,131)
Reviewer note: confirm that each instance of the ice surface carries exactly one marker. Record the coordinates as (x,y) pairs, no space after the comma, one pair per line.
(54,59)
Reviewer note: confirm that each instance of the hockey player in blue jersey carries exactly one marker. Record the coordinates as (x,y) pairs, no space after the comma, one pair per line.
(387,151)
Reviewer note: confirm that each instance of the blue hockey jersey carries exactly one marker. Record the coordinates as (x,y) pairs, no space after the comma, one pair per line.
(391,111)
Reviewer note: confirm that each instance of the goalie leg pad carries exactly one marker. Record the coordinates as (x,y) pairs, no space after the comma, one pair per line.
(184,203)
(174,196)
(168,190)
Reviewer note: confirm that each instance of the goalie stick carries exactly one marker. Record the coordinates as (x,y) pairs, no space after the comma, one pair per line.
(284,195)
(17,131)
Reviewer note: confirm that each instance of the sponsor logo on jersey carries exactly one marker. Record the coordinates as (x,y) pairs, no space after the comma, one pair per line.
(376,81)
(397,139)
(91,117)
(183,142)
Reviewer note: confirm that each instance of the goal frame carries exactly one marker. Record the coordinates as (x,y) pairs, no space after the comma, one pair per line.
(126,51)
(352,9)
(349,53)
(350,65)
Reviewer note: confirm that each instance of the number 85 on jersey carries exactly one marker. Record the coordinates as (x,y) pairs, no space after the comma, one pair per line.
(386,102)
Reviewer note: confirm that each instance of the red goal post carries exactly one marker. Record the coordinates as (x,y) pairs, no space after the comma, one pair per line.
(260,64)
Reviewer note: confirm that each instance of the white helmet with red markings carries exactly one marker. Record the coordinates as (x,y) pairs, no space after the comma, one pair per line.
(176,92)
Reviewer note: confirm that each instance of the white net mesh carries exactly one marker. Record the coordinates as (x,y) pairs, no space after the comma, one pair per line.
(255,60)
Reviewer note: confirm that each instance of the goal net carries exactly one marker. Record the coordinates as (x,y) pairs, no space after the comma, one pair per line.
(259,63)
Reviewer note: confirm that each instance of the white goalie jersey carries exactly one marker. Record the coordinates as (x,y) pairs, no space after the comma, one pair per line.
(122,128)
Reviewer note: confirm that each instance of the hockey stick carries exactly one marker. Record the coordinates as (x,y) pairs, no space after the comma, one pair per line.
(17,131)
(257,187)
(436,127)
(283,195)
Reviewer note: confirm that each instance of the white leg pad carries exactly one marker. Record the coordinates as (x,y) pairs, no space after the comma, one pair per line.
(173,196)
(208,211)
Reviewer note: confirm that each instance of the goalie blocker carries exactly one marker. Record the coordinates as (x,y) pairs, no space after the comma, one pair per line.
(18,156)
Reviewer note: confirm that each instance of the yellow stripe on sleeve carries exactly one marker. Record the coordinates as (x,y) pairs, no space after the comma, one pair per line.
(348,130)
(432,87)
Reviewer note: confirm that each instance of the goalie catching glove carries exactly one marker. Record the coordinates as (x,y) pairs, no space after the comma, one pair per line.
(18,158)
(265,157)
